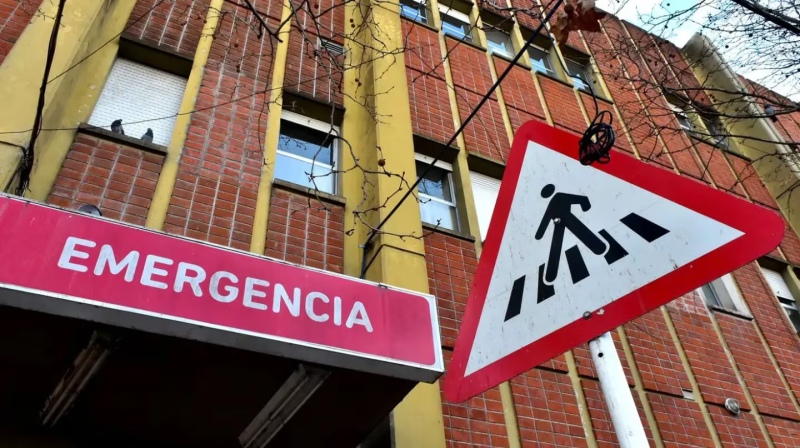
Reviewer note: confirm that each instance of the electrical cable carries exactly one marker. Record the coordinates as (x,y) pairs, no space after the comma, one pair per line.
(26,164)
(461,128)
(598,139)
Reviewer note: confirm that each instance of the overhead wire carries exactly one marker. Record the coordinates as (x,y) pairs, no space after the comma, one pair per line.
(598,139)
(29,153)
(375,230)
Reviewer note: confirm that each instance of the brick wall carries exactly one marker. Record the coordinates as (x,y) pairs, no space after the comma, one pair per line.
(547,410)
(306,231)
(475,423)
(175,24)
(451,264)
(563,105)
(215,193)
(14,17)
(486,133)
(429,102)
(117,178)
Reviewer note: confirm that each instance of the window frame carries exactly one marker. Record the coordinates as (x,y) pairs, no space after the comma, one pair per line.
(733,295)
(784,302)
(585,71)
(422,4)
(680,113)
(320,126)
(547,61)
(448,168)
(448,11)
(714,135)
(493,29)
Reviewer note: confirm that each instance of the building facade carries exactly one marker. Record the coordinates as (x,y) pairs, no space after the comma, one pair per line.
(226,111)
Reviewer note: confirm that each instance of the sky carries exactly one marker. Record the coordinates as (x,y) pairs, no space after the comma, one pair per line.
(632,10)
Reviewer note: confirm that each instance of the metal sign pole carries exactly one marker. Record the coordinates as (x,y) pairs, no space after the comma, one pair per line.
(617,393)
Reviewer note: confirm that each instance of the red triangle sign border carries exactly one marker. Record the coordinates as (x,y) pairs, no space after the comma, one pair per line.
(762,230)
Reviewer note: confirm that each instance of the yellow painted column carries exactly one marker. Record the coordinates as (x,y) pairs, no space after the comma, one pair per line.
(21,76)
(380,86)
(258,239)
(169,171)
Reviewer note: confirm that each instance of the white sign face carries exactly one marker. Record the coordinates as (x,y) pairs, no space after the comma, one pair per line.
(576,240)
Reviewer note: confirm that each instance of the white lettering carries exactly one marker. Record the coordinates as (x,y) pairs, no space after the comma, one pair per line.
(64,261)
(182,278)
(292,305)
(310,298)
(150,270)
(106,258)
(232,291)
(358,316)
(249,293)
(337,311)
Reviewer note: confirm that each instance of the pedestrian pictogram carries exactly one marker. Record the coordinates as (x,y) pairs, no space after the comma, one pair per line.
(559,214)
(574,251)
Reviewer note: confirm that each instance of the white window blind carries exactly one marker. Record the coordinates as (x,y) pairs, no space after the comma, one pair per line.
(484,190)
(136,92)
(777,283)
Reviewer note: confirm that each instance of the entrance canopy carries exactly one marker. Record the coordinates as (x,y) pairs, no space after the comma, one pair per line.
(114,333)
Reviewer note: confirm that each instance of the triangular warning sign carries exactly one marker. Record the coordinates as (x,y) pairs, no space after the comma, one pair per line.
(574,251)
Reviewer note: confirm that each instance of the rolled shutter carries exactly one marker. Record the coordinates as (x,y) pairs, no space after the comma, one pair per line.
(484,190)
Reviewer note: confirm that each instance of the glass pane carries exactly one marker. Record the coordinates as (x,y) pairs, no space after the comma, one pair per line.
(455,28)
(296,171)
(434,213)
(306,142)
(540,60)
(577,68)
(436,183)
(710,295)
(499,42)
(794,316)
(413,10)
(683,122)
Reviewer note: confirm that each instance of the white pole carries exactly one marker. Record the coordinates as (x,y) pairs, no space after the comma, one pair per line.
(617,393)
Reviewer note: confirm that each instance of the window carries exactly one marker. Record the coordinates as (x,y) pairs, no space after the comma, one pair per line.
(484,191)
(455,23)
(307,146)
(723,293)
(499,42)
(784,294)
(716,132)
(437,201)
(680,115)
(142,97)
(579,72)
(540,60)
(414,10)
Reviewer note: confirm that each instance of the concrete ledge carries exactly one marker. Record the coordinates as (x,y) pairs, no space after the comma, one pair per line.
(448,232)
(122,139)
(310,192)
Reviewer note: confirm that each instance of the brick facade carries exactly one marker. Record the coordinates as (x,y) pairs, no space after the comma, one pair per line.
(119,179)
(221,163)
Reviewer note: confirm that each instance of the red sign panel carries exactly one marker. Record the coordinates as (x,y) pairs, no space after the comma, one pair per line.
(574,251)
(72,264)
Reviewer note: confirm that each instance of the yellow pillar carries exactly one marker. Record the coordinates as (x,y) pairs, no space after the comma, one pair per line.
(258,239)
(68,99)
(157,213)
(417,421)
